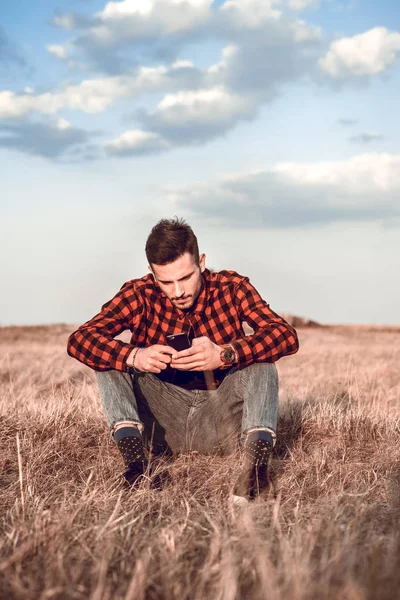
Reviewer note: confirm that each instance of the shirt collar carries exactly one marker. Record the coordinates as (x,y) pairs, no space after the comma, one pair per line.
(202,298)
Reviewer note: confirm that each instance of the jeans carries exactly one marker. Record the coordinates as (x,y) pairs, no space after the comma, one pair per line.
(180,420)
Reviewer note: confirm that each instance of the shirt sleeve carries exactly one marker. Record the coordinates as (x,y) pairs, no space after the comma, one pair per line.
(273,337)
(93,342)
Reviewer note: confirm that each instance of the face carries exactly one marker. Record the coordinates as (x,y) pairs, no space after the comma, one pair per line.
(180,280)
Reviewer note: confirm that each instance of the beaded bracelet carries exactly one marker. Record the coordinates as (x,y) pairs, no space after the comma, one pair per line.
(133,361)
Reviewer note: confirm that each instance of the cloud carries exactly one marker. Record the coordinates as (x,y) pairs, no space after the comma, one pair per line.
(70,21)
(347,122)
(131,32)
(365,54)
(229,92)
(184,118)
(49,140)
(96,95)
(135,143)
(366,138)
(265,50)
(194,117)
(57,50)
(200,104)
(302,4)
(363,188)
(250,14)
(166,16)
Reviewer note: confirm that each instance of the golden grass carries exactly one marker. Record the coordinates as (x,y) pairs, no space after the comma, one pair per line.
(329,529)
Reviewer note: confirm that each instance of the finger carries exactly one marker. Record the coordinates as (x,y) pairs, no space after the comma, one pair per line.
(192,366)
(184,353)
(185,360)
(156,366)
(164,358)
(160,365)
(166,349)
(200,340)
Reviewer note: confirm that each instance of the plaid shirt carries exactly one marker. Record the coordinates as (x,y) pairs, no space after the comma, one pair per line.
(226,300)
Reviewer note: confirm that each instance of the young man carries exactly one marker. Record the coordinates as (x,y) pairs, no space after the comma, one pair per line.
(221,389)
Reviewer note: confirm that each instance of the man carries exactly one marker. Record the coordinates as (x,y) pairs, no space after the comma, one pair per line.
(221,390)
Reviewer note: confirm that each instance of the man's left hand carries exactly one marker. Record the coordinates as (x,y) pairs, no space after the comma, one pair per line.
(203,355)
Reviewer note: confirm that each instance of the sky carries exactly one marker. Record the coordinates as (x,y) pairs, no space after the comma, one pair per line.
(271,126)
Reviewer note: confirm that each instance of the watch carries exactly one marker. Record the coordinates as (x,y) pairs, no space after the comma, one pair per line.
(228,356)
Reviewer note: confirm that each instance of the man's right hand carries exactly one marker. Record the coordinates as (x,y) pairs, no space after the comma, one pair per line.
(153,359)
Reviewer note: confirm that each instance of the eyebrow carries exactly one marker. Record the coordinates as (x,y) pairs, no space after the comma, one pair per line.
(181,279)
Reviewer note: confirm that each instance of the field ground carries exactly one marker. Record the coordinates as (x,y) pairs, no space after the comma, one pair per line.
(329,529)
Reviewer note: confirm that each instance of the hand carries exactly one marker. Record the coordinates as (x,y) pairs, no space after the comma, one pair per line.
(204,355)
(153,359)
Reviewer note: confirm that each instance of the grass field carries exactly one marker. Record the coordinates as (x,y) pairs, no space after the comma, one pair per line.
(329,529)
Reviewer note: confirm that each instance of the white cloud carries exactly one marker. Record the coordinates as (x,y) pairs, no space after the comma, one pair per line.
(136,142)
(303,32)
(250,13)
(133,19)
(90,96)
(195,117)
(182,64)
(182,119)
(62,124)
(302,4)
(125,8)
(160,28)
(265,51)
(59,51)
(368,53)
(202,107)
(364,173)
(363,188)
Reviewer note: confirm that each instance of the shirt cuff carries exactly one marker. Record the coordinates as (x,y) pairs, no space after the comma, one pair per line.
(119,363)
(243,351)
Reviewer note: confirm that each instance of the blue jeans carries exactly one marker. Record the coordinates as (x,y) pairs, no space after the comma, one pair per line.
(179,420)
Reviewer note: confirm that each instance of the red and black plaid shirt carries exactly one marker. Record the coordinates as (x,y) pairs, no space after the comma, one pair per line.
(226,300)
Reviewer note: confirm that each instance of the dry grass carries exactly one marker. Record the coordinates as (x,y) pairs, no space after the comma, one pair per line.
(330,528)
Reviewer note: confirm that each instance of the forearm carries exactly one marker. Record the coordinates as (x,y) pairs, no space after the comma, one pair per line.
(268,345)
(98,351)
(273,336)
(94,343)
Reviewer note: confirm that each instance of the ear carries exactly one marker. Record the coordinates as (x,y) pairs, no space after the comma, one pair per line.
(151,271)
(202,262)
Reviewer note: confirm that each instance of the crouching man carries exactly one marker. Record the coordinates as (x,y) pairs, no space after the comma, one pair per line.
(214,396)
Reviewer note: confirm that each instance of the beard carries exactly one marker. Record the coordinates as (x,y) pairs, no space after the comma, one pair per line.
(186,302)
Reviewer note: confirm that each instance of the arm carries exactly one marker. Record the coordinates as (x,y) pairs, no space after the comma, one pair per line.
(273,337)
(93,342)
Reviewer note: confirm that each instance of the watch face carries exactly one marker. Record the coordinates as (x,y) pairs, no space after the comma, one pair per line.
(229,355)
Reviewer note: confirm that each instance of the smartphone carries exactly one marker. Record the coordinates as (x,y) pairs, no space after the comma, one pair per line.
(179,341)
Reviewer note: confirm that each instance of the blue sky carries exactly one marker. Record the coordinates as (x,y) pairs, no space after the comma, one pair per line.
(271,126)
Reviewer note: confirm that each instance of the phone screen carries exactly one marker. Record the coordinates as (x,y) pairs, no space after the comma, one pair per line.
(178,341)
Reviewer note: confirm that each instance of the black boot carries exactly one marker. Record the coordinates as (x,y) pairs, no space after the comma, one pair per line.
(130,443)
(254,476)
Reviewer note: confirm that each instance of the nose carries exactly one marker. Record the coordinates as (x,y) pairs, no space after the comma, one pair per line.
(178,290)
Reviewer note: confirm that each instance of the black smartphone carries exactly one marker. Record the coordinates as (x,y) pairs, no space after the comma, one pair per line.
(179,341)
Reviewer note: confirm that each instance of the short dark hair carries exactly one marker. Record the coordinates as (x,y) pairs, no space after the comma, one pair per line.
(168,240)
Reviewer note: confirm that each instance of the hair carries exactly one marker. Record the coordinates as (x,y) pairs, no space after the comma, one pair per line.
(168,240)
